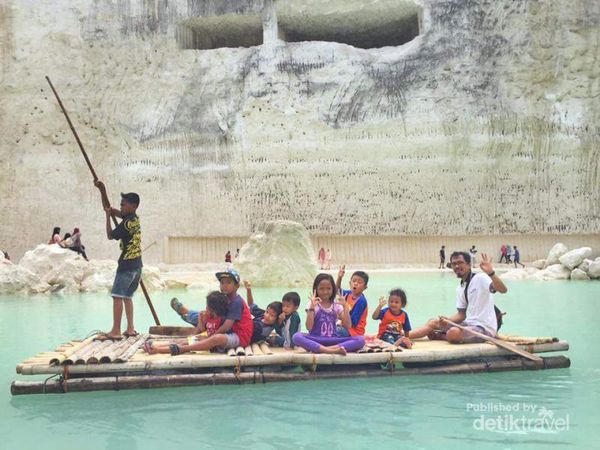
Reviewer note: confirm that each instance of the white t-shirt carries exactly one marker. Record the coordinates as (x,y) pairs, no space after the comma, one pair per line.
(480,308)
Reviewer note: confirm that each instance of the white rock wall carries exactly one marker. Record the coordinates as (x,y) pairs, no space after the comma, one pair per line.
(485,124)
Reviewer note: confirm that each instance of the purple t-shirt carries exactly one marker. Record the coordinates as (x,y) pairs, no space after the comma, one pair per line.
(326,320)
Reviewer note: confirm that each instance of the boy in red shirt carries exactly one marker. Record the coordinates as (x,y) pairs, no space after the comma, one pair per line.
(236,330)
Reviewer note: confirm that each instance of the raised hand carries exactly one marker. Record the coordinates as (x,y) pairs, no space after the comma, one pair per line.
(486,264)
(341,300)
(382,301)
(247,284)
(342,271)
(314,300)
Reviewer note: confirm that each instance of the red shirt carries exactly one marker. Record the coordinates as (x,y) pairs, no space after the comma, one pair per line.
(212,324)
(240,314)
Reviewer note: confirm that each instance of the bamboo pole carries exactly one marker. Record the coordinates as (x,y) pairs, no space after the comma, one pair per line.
(264,347)
(93,358)
(148,363)
(253,377)
(107,355)
(508,346)
(67,353)
(239,351)
(125,356)
(248,351)
(81,352)
(256,349)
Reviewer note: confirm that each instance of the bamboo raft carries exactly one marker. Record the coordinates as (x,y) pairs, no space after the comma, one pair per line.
(91,365)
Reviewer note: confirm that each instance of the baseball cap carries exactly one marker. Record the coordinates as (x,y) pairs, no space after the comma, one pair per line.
(131,197)
(229,273)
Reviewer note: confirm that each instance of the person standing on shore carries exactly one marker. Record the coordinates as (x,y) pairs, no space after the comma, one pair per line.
(502,253)
(508,254)
(322,258)
(442,257)
(129,270)
(517,258)
(473,253)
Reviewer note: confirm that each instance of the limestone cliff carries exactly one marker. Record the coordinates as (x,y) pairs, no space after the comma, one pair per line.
(484,123)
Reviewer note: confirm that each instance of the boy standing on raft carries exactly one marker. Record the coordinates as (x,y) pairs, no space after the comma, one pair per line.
(129,270)
(474,303)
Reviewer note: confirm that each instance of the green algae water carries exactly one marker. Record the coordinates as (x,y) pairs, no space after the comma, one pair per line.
(445,411)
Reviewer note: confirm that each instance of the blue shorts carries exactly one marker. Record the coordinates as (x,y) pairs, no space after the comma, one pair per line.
(342,332)
(126,283)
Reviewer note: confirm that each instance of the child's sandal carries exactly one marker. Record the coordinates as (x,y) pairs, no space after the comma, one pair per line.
(175,350)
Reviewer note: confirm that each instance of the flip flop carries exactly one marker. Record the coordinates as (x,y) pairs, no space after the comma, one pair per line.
(128,335)
(177,305)
(107,337)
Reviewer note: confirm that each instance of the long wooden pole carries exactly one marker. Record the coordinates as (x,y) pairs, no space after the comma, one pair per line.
(105,201)
(500,343)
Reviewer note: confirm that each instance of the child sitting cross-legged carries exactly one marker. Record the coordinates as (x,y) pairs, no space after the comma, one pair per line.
(209,321)
(321,319)
(395,325)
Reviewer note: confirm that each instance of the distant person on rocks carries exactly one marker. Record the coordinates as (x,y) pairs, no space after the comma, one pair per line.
(55,238)
(322,258)
(228,257)
(442,257)
(473,253)
(129,269)
(517,258)
(6,256)
(328,259)
(508,254)
(237,253)
(66,241)
(502,253)
(77,245)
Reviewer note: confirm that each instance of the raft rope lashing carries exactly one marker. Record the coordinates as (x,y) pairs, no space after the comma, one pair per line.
(237,370)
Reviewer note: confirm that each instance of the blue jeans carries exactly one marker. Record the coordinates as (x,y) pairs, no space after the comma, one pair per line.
(126,283)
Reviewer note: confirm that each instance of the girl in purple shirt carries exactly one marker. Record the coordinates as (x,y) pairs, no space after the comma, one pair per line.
(321,320)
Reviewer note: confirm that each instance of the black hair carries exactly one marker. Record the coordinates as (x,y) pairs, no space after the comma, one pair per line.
(55,231)
(275,306)
(291,297)
(466,256)
(322,277)
(67,236)
(218,302)
(361,274)
(399,293)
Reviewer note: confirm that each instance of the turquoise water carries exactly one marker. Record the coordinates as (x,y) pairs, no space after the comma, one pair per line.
(419,412)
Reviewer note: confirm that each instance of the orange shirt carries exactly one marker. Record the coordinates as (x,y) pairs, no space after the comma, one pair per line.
(358,313)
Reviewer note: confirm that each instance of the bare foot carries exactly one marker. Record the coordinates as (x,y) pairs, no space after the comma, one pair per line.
(334,349)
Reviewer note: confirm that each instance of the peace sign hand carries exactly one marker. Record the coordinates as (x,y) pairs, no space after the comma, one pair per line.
(486,264)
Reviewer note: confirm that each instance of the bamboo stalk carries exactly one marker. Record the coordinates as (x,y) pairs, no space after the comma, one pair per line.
(148,363)
(67,353)
(107,355)
(256,349)
(126,356)
(253,377)
(93,358)
(264,347)
(248,351)
(77,356)
(231,352)
(239,351)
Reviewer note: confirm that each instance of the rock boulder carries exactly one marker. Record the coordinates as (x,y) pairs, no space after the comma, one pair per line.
(575,257)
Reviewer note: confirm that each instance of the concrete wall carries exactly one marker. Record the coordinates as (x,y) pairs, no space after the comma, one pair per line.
(381,249)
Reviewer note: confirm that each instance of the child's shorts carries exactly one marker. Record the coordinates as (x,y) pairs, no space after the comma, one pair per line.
(126,283)
(390,338)
(233,341)
(469,338)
